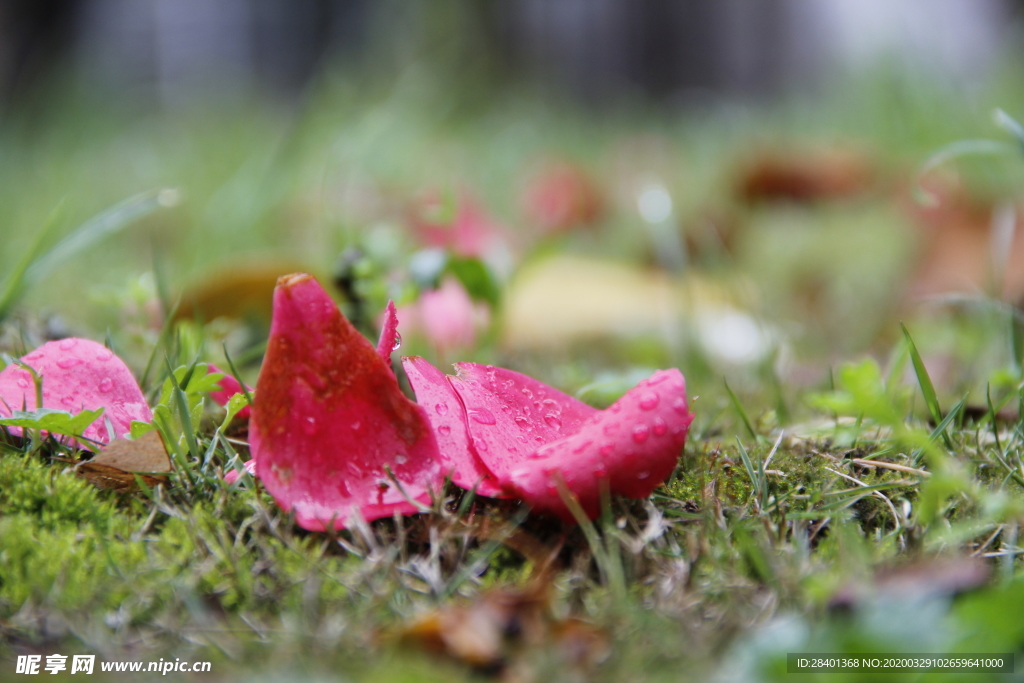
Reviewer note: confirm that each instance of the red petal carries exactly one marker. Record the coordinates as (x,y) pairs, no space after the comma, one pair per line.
(448,419)
(389,339)
(78,374)
(511,415)
(229,386)
(329,419)
(631,448)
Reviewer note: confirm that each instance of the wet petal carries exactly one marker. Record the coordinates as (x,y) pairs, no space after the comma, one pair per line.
(78,374)
(632,447)
(448,419)
(510,415)
(232,476)
(389,339)
(329,420)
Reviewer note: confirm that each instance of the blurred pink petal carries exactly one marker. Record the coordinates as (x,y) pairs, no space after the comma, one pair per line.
(78,374)
(232,476)
(229,386)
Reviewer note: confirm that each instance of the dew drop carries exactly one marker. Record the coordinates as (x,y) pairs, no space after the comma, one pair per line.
(68,363)
(68,344)
(552,405)
(401,459)
(522,422)
(355,425)
(679,405)
(660,427)
(616,408)
(640,433)
(444,430)
(23,383)
(521,439)
(611,428)
(539,439)
(507,409)
(482,415)
(553,421)
(527,393)
(480,444)
(649,401)
(106,385)
(398,342)
(104,355)
(601,471)
(68,400)
(582,447)
(309,425)
(441,408)
(643,475)
(35,355)
(606,450)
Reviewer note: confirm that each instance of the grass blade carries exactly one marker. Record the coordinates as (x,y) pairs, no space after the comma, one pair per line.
(742,413)
(925,382)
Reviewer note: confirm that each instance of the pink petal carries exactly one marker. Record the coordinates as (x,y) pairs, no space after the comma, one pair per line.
(511,415)
(229,386)
(78,374)
(389,338)
(329,419)
(232,476)
(448,419)
(632,447)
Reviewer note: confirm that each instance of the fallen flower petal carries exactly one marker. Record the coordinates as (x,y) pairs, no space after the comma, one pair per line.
(78,374)
(532,437)
(330,426)
(448,419)
(633,446)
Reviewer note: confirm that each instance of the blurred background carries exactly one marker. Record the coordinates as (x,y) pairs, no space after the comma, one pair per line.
(583,190)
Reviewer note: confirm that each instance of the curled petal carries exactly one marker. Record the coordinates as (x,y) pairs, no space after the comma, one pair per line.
(331,433)
(389,339)
(448,419)
(630,448)
(78,374)
(510,415)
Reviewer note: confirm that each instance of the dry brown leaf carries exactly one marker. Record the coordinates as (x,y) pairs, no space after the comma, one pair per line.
(117,465)
(488,632)
(804,176)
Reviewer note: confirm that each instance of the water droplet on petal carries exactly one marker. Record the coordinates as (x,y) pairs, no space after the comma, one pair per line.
(68,400)
(35,355)
(643,475)
(355,425)
(106,385)
(68,344)
(104,355)
(659,427)
(610,428)
(553,421)
(401,459)
(24,383)
(480,444)
(482,415)
(640,433)
(68,363)
(309,426)
(398,342)
(679,405)
(649,401)
(527,393)
(522,422)
(441,408)
(600,471)
(444,430)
